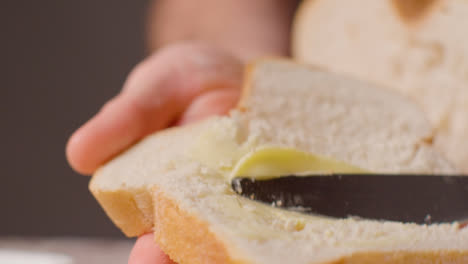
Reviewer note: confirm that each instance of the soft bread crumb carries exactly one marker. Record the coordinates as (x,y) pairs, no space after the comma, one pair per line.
(419,51)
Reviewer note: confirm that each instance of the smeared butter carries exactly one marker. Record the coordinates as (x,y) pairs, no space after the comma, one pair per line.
(222,148)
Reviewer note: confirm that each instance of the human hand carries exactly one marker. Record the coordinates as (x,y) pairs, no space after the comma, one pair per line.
(177,85)
(146,251)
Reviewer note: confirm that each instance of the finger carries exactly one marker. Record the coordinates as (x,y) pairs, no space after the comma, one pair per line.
(155,94)
(111,130)
(146,251)
(217,102)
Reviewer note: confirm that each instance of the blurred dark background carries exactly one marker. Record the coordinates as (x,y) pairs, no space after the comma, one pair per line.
(60,61)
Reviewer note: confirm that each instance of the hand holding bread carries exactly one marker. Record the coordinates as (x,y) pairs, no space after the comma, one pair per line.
(181,84)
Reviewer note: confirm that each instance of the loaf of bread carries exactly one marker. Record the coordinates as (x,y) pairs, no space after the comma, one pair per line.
(173,182)
(417,47)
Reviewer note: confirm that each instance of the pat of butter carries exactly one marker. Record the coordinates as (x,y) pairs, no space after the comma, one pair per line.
(272,162)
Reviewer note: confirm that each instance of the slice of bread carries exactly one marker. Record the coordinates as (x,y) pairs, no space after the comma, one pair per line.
(418,47)
(172,183)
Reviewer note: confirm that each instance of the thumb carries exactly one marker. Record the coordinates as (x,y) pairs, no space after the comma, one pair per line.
(145,251)
(217,102)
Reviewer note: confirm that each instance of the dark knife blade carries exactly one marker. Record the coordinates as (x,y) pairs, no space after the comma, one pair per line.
(421,199)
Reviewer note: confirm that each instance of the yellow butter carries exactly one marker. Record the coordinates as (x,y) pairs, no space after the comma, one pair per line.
(271,162)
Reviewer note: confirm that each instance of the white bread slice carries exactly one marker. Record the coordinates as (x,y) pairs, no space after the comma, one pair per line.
(173,179)
(418,47)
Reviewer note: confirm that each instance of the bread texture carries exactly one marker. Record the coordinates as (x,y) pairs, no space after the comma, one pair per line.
(171,183)
(417,47)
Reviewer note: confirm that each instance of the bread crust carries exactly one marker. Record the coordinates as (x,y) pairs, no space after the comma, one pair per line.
(302,9)
(411,11)
(407,257)
(186,238)
(248,72)
(130,211)
(246,88)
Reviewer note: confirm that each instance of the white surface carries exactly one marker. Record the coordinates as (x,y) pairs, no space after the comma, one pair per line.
(78,250)
(12,256)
